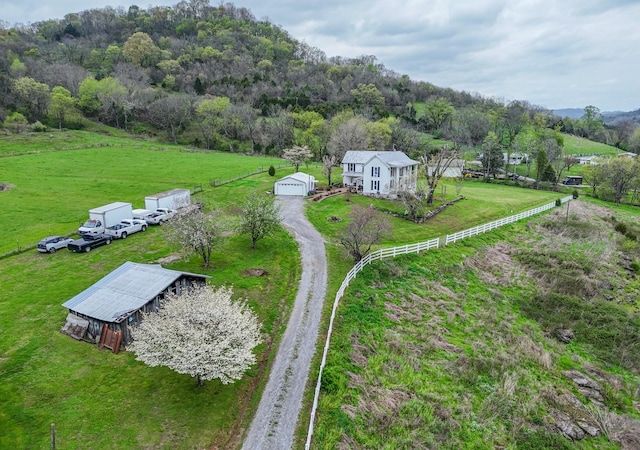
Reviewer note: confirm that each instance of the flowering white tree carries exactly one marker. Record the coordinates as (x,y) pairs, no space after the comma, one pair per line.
(197,232)
(200,332)
(259,218)
(297,155)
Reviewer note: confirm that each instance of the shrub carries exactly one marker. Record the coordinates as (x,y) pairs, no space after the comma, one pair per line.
(527,439)
(621,227)
(575,193)
(39,127)
(272,170)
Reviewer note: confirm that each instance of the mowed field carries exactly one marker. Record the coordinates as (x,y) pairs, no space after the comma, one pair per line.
(101,400)
(95,398)
(52,190)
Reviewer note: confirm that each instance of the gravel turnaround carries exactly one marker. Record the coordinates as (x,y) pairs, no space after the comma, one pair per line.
(274,425)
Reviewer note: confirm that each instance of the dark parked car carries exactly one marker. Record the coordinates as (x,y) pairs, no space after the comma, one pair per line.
(89,241)
(52,243)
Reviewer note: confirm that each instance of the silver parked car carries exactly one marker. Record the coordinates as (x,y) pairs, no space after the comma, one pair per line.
(52,243)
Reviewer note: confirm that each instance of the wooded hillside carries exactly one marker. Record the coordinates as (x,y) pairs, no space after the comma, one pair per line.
(215,77)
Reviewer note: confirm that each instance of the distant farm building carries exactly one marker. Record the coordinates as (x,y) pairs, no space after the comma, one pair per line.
(104,312)
(589,160)
(455,169)
(515,158)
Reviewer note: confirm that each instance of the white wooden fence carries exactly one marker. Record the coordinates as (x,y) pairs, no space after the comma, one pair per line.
(405,250)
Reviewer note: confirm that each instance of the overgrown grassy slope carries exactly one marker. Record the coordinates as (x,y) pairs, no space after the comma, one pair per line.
(460,347)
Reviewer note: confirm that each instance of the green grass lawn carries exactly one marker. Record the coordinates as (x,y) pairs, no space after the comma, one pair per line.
(101,400)
(483,202)
(95,398)
(574,145)
(52,191)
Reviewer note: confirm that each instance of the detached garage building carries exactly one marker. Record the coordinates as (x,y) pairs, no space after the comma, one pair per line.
(104,312)
(299,183)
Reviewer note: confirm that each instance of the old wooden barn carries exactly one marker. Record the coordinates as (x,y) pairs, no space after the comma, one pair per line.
(104,312)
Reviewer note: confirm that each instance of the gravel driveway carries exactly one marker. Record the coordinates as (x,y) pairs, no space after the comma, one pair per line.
(275,421)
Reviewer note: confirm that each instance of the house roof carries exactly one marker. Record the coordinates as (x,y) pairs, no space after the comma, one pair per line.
(391,159)
(126,289)
(455,164)
(299,176)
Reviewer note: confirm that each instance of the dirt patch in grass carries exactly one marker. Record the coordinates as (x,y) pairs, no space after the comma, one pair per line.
(255,273)
(169,259)
(495,265)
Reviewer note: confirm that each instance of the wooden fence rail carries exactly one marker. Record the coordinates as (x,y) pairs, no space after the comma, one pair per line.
(404,250)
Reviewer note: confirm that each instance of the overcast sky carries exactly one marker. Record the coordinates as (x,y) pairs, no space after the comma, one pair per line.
(552,53)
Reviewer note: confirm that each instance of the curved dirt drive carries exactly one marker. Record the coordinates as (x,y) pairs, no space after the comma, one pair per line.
(274,424)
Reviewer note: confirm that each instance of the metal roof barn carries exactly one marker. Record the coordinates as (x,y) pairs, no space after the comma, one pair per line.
(117,300)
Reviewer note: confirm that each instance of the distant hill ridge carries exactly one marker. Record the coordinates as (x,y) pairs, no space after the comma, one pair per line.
(610,117)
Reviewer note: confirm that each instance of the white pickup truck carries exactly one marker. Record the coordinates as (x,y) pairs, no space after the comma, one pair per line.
(126,227)
(160,215)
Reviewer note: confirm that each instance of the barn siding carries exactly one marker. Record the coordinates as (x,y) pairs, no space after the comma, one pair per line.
(125,323)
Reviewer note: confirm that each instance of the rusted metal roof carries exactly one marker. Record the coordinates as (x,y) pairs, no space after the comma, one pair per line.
(126,289)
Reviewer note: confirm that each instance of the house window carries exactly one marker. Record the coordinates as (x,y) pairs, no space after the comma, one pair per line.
(351,167)
(375,171)
(375,185)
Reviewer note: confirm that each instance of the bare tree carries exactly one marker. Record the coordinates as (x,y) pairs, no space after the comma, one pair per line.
(248,118)
(565,162)
(171,114)
(351,135)
(328,163)
(435,166)
(403,138)
(366,227)
(195,232)
(199,332)
(260,217)
(297,155)
(277,130)
(415,202)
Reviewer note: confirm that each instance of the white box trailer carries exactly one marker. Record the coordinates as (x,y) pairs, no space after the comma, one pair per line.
(106,216)
(173,199)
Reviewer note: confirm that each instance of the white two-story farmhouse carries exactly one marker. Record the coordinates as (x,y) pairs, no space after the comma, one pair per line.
(379,172)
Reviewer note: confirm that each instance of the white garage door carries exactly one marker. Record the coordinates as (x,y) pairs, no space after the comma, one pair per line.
(290,188)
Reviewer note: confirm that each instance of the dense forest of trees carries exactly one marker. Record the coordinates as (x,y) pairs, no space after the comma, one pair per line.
(215,77)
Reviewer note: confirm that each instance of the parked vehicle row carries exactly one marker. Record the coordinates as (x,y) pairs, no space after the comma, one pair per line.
(88,242)
(126,227)
(51,244)
(118,220)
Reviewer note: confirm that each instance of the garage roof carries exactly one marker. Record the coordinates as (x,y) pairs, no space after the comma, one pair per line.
(298,176)
(126,289)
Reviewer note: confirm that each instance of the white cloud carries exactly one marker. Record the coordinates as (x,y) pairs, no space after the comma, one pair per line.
(555,54)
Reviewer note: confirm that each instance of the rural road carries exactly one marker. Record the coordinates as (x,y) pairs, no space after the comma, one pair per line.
(274,423)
